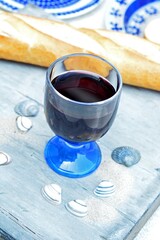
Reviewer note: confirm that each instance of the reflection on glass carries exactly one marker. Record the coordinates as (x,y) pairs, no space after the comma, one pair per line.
(82,95)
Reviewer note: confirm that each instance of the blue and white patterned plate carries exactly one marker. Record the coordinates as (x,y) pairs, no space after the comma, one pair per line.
(62,9)
(131,16)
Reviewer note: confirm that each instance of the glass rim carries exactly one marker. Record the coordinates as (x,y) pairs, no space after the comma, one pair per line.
(49,71)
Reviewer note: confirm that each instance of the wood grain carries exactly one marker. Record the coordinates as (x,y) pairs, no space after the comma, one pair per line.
(25,214)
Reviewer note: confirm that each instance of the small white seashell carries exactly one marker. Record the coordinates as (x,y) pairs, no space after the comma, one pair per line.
(77,208)
(4,158)
(27,108)
(104,189)
(24,124)
(52,192)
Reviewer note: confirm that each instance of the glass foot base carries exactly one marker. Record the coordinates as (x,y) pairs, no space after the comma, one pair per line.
(72,160)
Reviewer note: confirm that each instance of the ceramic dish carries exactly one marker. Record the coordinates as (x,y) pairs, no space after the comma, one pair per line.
(62,9)
(131,16)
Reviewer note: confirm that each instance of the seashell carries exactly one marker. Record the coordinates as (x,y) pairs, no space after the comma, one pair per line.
(52,192)
(27,108)
(77,208)
(24,124)
(126,155)
(105,189)
(4,158)
(157,169)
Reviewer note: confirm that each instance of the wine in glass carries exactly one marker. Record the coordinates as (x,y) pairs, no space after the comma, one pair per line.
(82,94)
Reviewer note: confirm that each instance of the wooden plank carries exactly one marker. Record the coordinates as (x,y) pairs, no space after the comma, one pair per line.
(25,214)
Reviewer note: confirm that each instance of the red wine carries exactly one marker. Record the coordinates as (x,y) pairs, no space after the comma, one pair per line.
(74,120)
(83,87)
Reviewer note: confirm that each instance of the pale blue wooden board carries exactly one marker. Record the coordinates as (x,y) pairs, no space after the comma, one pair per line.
(25,214)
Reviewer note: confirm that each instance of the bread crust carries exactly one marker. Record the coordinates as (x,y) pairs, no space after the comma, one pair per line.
(135,69)
(23,43)
(22,40)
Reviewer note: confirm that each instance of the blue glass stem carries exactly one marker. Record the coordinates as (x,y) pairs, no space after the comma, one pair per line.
(72,159)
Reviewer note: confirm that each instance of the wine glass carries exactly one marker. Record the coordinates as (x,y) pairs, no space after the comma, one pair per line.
(82,94)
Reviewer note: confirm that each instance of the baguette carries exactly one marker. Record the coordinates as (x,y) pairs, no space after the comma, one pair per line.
(63,31)
(135,68)
(23,43)
(41,41)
